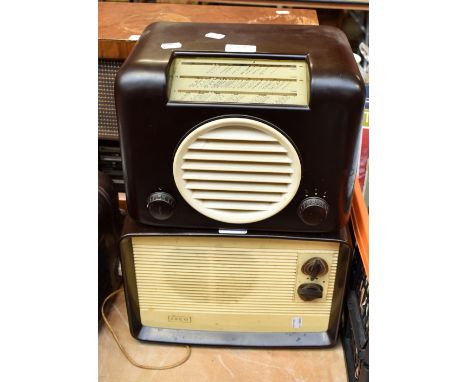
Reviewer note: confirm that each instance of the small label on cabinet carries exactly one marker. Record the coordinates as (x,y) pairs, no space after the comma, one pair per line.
(171,45)
(177,318)
(296,322)
(216,36)
(240,48)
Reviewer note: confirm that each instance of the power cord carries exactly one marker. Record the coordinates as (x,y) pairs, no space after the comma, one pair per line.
(122,349)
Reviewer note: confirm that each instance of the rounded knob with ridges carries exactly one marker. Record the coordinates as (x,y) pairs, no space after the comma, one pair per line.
(315,267)
(160,205)
(310,291)
(313,210)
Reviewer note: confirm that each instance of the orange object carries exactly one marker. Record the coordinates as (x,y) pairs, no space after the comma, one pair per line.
(360,222)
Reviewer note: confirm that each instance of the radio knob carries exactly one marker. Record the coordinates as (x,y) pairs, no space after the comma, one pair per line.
(313,210)
(310,291)
(315,267)
(160,205)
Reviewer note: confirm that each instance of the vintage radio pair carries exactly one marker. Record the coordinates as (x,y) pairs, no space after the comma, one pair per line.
(239,157)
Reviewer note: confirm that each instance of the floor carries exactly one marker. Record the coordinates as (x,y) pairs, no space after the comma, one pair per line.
(211,363)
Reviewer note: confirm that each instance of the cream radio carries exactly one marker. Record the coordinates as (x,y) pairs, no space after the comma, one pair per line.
(207,287)
(256,129)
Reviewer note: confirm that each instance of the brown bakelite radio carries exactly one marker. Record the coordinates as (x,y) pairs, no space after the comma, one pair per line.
(258,130)
(240,147)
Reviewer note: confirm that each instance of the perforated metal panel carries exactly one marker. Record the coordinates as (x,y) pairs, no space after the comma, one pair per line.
(107,122)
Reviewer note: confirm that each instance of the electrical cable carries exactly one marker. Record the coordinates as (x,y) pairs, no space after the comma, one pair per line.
(122,349)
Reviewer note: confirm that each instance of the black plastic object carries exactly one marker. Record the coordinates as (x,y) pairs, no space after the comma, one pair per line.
(310,291)
(161,205)
(110,162)
(313,211)
(355,323)
(325,133)
(109,226)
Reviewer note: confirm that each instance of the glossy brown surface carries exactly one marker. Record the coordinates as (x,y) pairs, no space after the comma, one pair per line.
(118,21)
(211,364)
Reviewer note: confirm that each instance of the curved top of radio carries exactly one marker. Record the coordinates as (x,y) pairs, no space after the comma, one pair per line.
(326,48)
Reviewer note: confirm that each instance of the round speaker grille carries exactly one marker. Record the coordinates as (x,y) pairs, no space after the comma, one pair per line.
(237,170)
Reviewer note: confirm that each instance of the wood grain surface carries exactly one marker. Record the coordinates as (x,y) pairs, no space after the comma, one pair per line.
(211,364)
(118,21)
(356,5)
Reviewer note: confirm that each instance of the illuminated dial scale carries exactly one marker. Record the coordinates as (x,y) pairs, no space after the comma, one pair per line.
(239,80)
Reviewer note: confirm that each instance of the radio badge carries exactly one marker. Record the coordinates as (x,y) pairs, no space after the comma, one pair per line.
(183,319)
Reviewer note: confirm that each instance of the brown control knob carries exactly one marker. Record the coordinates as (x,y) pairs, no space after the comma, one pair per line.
(313,211)
(160,205)
(310,291)
(314,267)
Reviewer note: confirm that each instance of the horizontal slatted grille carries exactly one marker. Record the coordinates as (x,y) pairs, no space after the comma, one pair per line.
(237,170)
(237,280)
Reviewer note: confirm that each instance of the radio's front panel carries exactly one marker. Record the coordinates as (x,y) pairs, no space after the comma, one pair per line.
(264,167)
(262,286)
(250,285)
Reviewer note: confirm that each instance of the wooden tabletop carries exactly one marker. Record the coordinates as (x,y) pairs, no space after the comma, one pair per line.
(211,364)
(118,21)
(356,5)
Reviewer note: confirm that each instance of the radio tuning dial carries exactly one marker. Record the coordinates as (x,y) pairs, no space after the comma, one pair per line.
(310,291)
(313,210)
(160,205)
(315,267)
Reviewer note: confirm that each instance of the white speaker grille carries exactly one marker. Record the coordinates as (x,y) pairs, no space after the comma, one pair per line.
(237,170)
